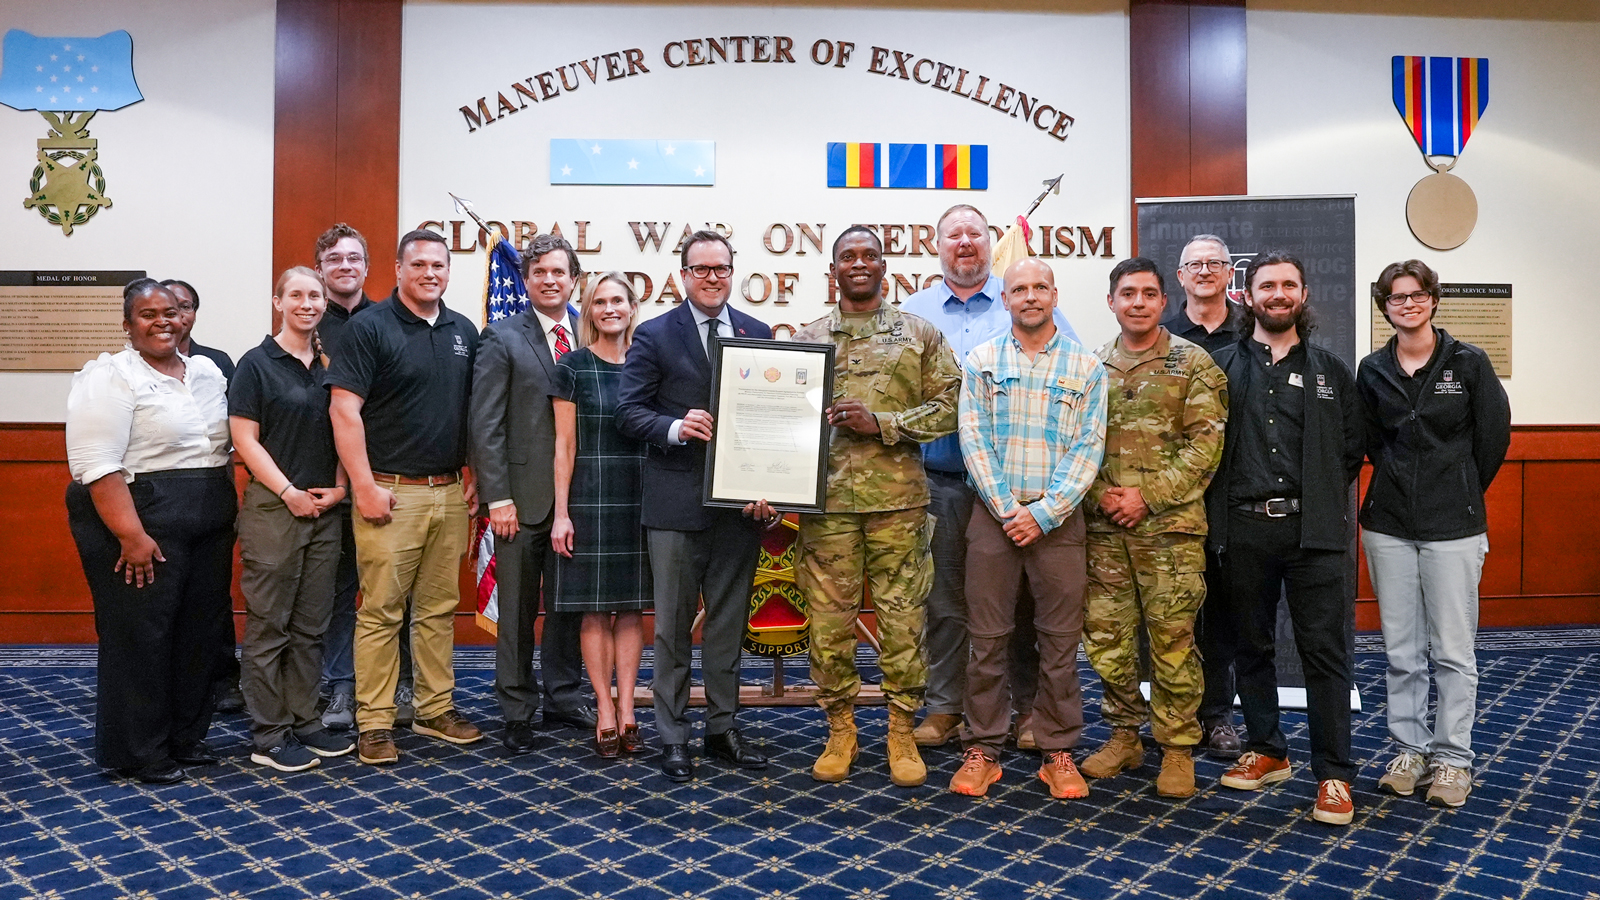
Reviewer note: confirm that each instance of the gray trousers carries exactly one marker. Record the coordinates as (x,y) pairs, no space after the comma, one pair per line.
(522,568)
(1428,605)
(945,642)
(287,580)
(719,564)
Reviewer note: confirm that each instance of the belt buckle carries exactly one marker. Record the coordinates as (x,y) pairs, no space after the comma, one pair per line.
(1266,507)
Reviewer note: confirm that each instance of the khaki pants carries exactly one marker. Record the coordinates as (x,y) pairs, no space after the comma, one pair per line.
(418,554)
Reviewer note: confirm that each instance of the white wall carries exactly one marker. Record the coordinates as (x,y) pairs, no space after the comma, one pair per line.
(1321,120)
(189,169)
(771,124)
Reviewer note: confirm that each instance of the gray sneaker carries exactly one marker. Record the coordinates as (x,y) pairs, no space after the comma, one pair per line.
(1404,773)
(1450,786)
(341,712)
(405,710)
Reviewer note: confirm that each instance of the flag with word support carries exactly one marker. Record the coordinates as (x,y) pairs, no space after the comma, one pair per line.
(1441,99)
(67,74)
(505,295)
(688,163)
(936,166)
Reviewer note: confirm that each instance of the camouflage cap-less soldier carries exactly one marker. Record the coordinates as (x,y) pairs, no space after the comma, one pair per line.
(875,531)
(1165,410)
(1165,413)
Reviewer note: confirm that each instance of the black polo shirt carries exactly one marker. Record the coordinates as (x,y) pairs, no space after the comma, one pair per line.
(1268,420)
(414,379)
(331,330)
(223,360)
(290,403)
(1178,322)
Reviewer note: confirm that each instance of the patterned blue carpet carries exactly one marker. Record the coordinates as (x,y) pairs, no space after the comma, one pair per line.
(474,823)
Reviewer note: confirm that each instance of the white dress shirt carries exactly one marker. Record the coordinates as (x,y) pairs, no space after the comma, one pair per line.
(124,416)
(548,325)
(723,330)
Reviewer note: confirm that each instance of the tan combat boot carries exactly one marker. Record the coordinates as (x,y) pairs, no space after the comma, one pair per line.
(905,763)
(841,751)
(1124,751)
(1177,772)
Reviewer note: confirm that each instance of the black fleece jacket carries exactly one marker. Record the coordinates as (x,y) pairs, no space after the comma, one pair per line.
(1432,459)
(1331,451)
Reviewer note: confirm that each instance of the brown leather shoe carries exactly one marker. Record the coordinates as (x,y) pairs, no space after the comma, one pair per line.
(376,748)
(1022,733)
(936,730)
(1062,776)
(608,744)
(631,741)
(448,726)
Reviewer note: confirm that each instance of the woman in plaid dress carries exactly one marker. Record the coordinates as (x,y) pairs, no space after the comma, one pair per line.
(603,569)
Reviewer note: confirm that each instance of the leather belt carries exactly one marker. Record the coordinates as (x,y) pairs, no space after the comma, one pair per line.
(420,480)
(1276,508)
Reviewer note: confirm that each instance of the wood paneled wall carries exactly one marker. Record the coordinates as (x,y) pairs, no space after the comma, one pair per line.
(337,151)
(1543,566)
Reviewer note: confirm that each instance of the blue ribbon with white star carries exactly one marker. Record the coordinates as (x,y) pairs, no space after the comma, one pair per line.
(67,74)
(575,161)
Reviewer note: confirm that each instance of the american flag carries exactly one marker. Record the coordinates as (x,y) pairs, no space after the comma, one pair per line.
(504,296)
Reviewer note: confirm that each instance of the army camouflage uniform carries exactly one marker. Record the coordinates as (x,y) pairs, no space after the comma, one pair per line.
(876,530)
(1165,411)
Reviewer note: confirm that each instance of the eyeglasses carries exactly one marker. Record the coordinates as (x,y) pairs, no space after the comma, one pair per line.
(1195,266)
(1417,297)
(703,271)
(334,259)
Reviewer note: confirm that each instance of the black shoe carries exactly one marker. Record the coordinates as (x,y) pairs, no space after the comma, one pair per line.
(675,762)
(229,698)
(580,717)
(730,748)
(196,754)
(324,743)
(518,737)
(1220,740)
(163,772)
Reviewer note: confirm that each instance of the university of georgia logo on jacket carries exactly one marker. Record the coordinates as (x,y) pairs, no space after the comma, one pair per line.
(1324,391)
(461,346)
(1449,384)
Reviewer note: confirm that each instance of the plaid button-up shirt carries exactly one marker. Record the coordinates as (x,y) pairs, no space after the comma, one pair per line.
(1032,431)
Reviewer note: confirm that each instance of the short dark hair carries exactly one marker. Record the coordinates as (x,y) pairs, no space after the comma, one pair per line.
(412,237)
(1134,265)
(703,236)
(334,235)
(1417,269)
(1272,258)
(856,229)
(550,243)
(173,282)
(133,290)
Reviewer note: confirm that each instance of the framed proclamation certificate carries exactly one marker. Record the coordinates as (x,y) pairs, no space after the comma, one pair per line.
(769,435)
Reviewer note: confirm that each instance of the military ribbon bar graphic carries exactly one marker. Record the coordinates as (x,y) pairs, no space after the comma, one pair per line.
(937,166)
(1441,99)
(73,74)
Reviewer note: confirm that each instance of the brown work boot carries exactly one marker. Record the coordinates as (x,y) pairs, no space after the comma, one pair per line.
(937,729)
(375,747)
(841,751)
(1022,732)
(1177,772)
(1123,752)
(448,726)
(1062,776)
(905,763)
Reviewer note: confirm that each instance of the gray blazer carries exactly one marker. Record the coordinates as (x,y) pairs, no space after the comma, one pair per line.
(513,436)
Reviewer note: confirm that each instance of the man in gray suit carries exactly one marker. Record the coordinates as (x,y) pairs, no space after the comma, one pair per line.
(513,448)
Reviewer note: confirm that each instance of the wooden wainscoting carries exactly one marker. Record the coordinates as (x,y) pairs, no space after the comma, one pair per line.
(1543,568)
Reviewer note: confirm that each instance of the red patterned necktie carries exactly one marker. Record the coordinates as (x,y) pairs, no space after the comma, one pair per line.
(561,342)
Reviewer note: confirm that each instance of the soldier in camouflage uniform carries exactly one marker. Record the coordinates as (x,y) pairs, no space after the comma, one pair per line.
(895,387)
(1166,403)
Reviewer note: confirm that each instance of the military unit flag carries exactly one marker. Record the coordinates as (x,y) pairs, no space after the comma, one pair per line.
(938,166)
(1441,99)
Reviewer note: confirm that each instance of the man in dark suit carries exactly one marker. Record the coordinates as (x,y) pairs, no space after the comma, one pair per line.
(513,448)
(695,550)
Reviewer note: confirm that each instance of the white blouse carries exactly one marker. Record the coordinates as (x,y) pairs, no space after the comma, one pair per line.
(124,416)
